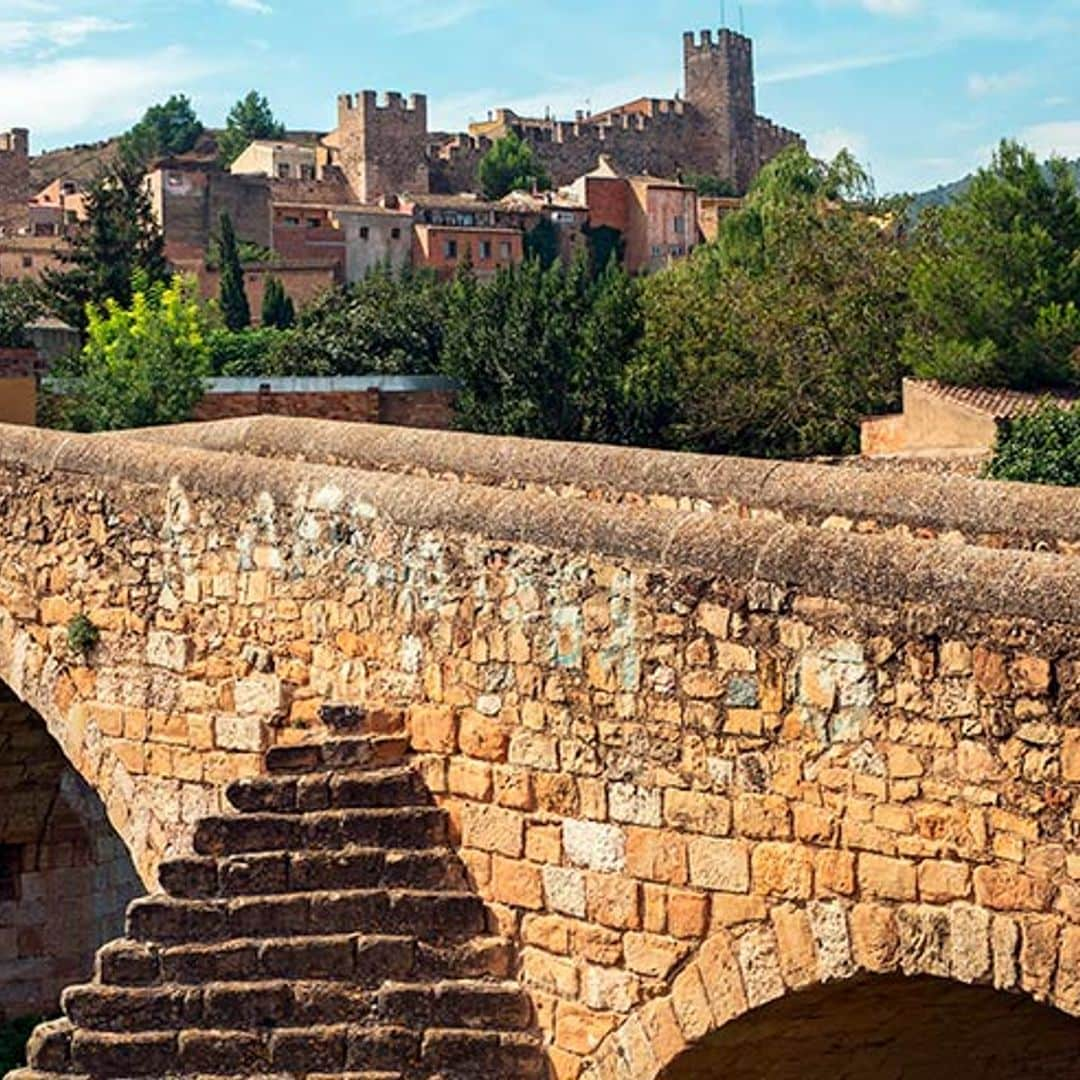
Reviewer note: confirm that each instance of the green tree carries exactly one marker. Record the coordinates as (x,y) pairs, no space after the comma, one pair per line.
(234,302)
(249,119)
(119,240)
(387,323)
(277,307)
(777,339)
(1043,448)
(540,352)
(511,165)
(20,305)
(143,364)
(996,285)
(168,128)
(708,185)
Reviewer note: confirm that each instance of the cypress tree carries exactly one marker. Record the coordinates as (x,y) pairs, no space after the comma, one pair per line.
(277,307)
(234,302)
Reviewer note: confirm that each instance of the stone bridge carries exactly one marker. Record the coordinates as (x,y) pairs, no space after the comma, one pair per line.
(465,757)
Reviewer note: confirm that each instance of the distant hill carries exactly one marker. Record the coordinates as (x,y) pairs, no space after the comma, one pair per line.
(85,161)
(945,193)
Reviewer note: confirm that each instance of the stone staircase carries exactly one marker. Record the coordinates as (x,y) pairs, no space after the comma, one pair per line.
(323,930)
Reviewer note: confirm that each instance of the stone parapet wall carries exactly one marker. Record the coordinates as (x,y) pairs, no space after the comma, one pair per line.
(692,762)
(913,506)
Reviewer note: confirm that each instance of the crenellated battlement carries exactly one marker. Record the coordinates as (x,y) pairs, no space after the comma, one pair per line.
(384,101)
(726,39)
(16,141)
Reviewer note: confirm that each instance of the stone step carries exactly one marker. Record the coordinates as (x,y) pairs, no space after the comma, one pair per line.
(438,916)
(343,719)
(289,1003)
(366,961)
(466,1004)
(217,1006)
(399,785)
(273,873)
(397,827)
(454,1054)
(368,751)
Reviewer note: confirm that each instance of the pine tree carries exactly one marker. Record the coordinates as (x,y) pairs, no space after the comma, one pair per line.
(119,239)
(277,307)
(234,302)
(249,119)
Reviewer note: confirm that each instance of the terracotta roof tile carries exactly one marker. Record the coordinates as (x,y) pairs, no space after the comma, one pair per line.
(999,403)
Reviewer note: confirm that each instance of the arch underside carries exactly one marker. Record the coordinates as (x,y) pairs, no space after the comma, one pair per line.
(889,1028)
(66,877)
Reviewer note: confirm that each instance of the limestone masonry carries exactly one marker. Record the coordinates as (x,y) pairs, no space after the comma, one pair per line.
(466,757)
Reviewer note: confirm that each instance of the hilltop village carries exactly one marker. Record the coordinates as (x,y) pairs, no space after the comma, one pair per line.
(382,189)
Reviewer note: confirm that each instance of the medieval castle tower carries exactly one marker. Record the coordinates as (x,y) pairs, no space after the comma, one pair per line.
(14,176)
(383,147)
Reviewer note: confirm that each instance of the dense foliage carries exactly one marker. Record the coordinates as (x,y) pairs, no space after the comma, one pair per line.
(541,352)
(1043,448)
(511,165)
(142,365)
(996,285)
(249,119)
(278,310)
(776,340)
(119,241)
(20,304)
(169,128)
(389,324)
(235,308)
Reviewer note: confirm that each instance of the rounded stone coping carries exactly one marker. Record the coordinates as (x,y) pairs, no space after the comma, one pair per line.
(881,570)
(940,503)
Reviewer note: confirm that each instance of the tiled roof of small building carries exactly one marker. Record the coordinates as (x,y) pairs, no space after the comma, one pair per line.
(997,402)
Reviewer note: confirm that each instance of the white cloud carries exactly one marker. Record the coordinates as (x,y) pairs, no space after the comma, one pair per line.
(816,68)
(19,34)
(983,85)
(1057,137)
(424,16)
(827,144)
(255,7)
(55,97)
(893,7)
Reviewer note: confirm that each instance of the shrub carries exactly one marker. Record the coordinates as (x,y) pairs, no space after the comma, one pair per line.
(1043,448)
(82,635)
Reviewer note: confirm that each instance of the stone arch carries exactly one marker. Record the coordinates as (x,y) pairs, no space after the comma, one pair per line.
(799,948)
(66,876)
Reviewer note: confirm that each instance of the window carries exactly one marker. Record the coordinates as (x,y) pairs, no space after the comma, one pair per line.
(290,220)
(395,233)
(307,172)
(657,251)
(314,222)
(283,171)
(450,249)
(10,869)
(71,217)
(27,261)
(365,232)
(505,249)
(69,187)
(680,224)
(485,250)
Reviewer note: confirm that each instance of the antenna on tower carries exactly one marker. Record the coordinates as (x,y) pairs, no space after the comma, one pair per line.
(742,20)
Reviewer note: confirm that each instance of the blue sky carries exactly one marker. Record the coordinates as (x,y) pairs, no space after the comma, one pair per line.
(921,90)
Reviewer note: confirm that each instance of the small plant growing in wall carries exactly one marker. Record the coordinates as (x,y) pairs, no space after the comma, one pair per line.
(82,635)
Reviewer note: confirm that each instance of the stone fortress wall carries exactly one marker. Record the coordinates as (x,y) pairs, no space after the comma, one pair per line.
(694,758)
(714,129)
